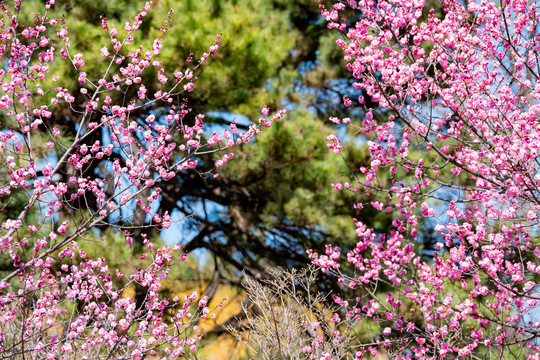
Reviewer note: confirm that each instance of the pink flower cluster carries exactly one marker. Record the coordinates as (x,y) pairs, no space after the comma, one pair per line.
(55,302)
(457,158)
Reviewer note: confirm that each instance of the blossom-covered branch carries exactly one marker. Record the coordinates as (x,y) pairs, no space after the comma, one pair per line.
(55,302)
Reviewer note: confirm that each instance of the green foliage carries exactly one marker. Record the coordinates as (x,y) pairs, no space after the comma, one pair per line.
(294,170)
(256,39)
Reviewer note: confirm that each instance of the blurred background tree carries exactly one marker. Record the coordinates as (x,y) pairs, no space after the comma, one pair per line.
(275,199)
